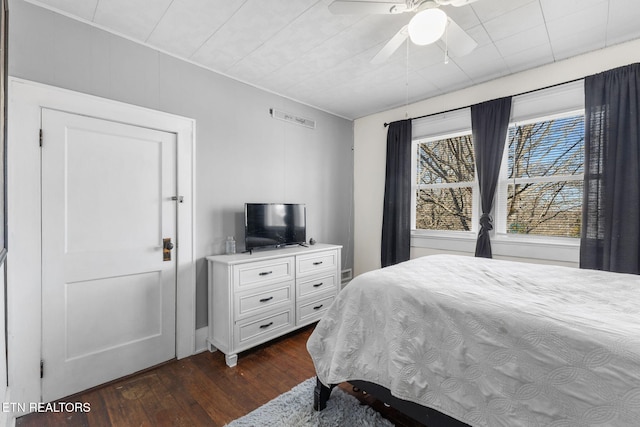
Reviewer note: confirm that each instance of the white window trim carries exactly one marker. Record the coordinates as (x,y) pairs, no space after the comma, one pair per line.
(500,221)
(475,190)
(562,249)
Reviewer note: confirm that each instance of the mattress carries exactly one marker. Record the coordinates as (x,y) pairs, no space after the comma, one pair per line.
(490,342)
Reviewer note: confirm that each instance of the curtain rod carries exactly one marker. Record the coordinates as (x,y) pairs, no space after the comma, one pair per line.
(517,94)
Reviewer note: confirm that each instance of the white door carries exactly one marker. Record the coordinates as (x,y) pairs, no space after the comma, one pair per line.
(108,294)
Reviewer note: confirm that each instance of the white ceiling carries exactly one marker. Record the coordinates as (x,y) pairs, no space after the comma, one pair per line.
(298,49)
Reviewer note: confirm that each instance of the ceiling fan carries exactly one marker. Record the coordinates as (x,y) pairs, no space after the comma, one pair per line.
(428,25)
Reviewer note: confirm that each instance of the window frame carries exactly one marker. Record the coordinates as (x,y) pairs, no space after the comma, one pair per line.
(533,247)
(501,195)
(415,187)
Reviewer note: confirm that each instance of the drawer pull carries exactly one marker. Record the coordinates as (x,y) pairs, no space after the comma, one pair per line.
(317,263)
(317,285)
(318,307)
(265,273)
(266,326)
(266,299)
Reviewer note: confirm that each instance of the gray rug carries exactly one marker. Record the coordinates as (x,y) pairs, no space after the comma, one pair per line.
(295,409)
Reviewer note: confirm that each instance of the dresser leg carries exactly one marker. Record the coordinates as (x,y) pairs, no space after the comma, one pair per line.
(212,348)
(231,359)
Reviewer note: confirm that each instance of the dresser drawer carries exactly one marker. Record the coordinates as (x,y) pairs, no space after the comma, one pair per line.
(264,272)
(317,284)
(251,302)
(313,310)
(253,332)
(315,263)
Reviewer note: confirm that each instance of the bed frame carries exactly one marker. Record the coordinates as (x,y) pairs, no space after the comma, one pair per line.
(418,412)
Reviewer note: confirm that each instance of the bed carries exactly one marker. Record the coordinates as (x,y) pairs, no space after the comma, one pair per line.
(485,342)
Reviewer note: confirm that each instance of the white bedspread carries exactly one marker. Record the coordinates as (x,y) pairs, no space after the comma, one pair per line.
(491,343)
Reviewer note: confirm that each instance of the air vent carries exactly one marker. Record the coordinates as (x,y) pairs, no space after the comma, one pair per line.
(345,277)
(292,118)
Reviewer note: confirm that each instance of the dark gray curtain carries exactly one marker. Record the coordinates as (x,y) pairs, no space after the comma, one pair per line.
(610,237)
(396,216)
(489,124)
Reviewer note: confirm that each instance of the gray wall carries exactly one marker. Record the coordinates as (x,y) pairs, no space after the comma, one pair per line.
(242,154)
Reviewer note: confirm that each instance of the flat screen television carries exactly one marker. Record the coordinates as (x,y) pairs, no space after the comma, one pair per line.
(272,225)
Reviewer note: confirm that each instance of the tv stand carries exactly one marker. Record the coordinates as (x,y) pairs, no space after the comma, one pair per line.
(256,298)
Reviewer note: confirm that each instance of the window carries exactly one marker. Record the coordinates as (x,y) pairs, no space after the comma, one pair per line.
(540,188)
(540,192)
(537,210)
(445,183)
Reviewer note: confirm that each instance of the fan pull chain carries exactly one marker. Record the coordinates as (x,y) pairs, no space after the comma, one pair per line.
(446,43)
(406,85)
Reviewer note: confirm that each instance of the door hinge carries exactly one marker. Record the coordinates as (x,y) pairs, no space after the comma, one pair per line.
(40,137)
(42,369)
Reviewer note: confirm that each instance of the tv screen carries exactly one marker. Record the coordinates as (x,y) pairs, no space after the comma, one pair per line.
(274,224)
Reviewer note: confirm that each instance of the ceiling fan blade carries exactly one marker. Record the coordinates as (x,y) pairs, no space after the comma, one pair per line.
(457,40)
(456,3)
(391,46)
(340,7)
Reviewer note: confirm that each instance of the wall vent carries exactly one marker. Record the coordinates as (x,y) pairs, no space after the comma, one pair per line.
(292,118)
(345,277)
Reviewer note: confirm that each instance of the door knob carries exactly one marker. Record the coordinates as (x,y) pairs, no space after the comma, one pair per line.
(166,249)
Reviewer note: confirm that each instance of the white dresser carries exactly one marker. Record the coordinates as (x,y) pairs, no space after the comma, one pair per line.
(256,297)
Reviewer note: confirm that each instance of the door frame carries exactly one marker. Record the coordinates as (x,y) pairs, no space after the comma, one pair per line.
(24,261)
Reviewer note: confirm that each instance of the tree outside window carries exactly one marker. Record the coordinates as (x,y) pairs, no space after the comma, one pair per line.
(445,184)
(540,192)
(544,177)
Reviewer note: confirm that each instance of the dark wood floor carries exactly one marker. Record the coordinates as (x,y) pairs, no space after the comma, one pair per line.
(200,390)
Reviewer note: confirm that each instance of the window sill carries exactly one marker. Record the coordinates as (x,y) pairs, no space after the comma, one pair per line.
(537,248)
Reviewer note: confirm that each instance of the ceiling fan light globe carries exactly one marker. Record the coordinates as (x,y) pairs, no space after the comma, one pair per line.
(427,27)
